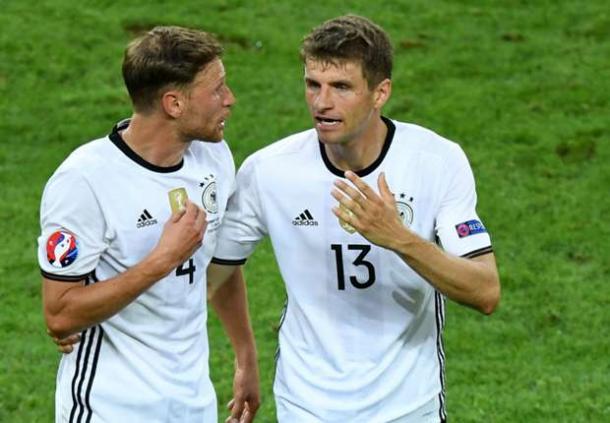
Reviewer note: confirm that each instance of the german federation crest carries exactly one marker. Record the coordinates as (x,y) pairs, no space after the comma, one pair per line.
(405,211)
(208,196)
(61,249)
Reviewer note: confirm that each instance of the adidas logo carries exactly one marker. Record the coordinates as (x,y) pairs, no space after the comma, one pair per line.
(145,219)
(305,219)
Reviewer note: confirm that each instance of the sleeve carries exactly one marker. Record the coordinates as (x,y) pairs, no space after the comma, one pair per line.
(72,228)
(458,227)
(243,225)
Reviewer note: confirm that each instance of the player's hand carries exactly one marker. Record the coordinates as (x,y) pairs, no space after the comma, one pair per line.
(182,235)
(65,345)
(246,395)
(373,215)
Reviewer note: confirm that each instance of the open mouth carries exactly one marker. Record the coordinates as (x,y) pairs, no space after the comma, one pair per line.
(326,121)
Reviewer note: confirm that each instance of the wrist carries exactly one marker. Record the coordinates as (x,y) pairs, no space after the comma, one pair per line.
(406,242)
(246,358)
(156,265)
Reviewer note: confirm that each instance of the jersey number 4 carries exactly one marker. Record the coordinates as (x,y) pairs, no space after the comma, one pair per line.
(190,270)
(359,261)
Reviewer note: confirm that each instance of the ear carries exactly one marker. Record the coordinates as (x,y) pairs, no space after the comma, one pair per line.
(382,92)
(173,103)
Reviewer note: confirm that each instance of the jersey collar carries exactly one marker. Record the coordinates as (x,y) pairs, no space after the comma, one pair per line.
(369,169)
(117,139)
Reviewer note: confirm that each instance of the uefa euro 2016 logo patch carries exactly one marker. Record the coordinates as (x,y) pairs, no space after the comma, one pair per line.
(470,227)
(61,249)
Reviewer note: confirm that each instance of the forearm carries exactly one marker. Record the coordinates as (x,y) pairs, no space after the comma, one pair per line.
(472,282)
(71,308)
(230,303)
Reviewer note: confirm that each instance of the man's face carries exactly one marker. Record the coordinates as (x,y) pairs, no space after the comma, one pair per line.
(340,102)
(208,104)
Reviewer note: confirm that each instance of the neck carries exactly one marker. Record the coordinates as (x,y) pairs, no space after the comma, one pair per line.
(155,140)
(359,152)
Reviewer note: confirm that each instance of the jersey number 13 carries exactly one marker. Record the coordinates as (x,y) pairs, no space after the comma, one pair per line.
(363,250)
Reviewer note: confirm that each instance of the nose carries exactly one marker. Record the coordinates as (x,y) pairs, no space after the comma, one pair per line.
(229,98)
(323,99)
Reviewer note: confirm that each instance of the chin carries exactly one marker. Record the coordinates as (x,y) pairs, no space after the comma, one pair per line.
(326,140)
(213,137)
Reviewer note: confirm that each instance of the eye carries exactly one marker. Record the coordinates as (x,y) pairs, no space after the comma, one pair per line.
(220,89)
(311,84)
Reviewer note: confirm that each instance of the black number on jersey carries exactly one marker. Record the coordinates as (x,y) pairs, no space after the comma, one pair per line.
(359,261)
(190,270)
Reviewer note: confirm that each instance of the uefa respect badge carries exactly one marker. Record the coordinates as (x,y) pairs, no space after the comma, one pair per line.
(470,227)
(62,249)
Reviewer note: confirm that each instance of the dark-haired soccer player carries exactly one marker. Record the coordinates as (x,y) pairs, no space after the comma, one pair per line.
(367,268)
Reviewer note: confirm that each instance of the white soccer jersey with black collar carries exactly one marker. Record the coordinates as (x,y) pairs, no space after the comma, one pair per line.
(361,335)
(102,212)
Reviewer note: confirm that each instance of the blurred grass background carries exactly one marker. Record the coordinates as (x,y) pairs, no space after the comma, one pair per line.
(521,85)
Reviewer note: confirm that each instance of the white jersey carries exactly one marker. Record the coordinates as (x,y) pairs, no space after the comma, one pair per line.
(361,335)
(102,212)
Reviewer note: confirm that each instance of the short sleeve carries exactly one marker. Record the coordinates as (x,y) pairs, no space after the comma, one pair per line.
(243,225)
(458,227)
(72,228)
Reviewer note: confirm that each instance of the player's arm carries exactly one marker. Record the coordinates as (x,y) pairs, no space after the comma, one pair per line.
(473,282)
(227,294)
(71,307)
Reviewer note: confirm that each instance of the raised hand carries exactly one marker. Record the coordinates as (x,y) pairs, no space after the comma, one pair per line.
(373,215)
(182,235)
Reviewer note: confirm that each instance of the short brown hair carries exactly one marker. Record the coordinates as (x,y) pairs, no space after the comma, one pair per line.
(348,38)
(163,57)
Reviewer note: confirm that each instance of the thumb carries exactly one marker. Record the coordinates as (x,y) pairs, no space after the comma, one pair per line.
(177,215)
(384,189)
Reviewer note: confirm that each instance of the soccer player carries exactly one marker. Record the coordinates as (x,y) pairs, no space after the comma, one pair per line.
(373,224)
(129,225)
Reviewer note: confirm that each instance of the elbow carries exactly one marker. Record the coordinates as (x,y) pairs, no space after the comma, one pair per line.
(58,326)
(491,299)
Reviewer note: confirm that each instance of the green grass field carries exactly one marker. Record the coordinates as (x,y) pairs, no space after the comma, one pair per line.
(521,85)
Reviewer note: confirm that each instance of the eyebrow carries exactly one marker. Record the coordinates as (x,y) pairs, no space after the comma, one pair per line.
(332,83)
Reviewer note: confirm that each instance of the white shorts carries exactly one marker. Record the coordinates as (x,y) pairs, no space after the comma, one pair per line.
(288,412)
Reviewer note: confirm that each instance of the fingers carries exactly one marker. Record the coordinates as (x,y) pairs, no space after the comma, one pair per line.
(354,198)
(177,215)
(346,200)
(66,345)
(384,188)
(346,216)
(246,417)
(362,186)
(237,411)
(65,349)
(69,340)
(197,217)
(242,411)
